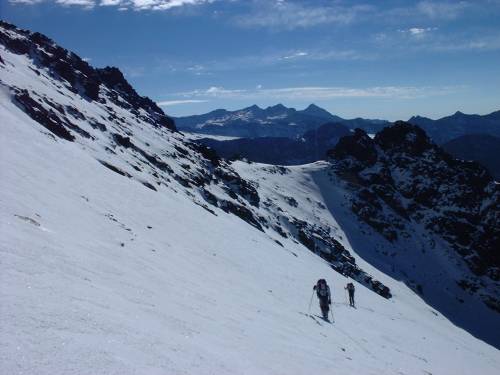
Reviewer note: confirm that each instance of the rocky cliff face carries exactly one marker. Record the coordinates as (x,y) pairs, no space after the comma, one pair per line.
(99,85)
(402,180)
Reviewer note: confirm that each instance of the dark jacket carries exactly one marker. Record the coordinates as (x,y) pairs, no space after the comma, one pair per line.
(323,292)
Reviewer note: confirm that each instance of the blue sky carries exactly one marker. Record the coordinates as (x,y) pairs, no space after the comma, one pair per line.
(374,59)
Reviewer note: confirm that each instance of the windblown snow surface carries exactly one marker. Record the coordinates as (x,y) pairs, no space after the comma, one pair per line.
(100,274)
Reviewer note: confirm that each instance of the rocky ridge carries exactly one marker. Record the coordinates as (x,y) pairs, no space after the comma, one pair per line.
(402,180)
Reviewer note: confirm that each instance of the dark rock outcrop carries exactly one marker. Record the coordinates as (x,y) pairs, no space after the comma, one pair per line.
(80,77)
(400,177)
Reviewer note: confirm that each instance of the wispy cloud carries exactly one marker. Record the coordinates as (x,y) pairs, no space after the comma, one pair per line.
(274,59)
(110,2)
(480,44)
(88,4)
(295,55)
(295,14)
(319,92)
(82,3)
(161,4)
(167,103)
(26,2)
(442,10)
(430,40)
(121,5)
(298,14)
(418,32)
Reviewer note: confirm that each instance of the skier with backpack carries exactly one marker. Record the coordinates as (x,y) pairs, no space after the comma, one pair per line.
(350,289)
(323,292)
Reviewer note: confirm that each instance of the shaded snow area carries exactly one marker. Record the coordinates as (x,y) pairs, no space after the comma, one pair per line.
(125,249)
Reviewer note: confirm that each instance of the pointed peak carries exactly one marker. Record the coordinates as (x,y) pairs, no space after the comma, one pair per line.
(254,107)
(316,111)
(277,106)
(312,106)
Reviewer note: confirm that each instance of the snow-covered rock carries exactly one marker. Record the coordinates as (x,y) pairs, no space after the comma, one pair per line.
(406,186)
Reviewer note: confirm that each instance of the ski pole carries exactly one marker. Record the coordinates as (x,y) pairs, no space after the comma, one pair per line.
(310,302)
(331,312)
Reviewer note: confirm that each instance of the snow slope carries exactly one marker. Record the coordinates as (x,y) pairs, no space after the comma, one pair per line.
(125,269)
(432,272)
(87,287)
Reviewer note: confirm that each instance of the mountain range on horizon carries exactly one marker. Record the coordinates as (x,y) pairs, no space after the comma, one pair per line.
(282,121)
(272,121)
(290,147)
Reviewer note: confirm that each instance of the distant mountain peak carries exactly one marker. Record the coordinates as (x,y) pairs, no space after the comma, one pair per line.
(277,106)
(314,110)
(416,117)
(313,106)
(254,107)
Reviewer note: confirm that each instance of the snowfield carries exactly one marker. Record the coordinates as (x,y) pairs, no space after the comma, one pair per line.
(127,269)
(101,275)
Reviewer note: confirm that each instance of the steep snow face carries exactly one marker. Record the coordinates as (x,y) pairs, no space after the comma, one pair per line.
(100,275)
(126,133)
(126,249)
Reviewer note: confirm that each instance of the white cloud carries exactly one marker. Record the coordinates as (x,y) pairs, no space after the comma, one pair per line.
(319,92)
(443,10)
(110,2)
(122,5)
(167,103)
(418,32)
(292,15)
(295,55)
(217,92)
(165,4)
(479,44)
(82,3)
(26,2)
